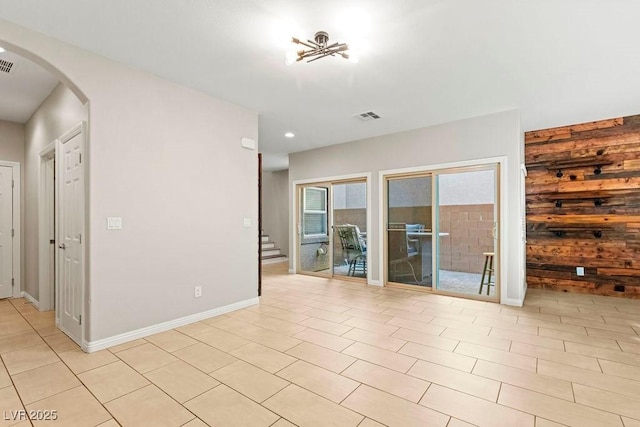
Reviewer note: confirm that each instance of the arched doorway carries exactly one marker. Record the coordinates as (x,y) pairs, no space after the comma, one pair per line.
(51,233)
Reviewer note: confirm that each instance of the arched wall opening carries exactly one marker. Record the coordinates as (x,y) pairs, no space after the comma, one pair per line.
(41,61)
(61,111)
(162,158)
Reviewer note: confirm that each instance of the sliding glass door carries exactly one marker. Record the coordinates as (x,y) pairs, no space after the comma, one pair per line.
(349,215)
(441,231)
(467,221)
(314,229)
(409,230)
(332,229)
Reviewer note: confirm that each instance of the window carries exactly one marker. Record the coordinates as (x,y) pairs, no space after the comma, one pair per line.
(314,214)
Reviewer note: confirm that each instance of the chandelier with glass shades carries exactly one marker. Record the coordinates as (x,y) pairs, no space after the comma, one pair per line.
(318,48)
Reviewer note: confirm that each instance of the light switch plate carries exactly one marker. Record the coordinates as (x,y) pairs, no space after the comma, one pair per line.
(247,222)
(114,223)
(248,143)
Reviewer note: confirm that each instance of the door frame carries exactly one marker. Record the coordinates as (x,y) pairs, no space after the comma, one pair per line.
(298,220)
(498,220)
(79,129)
(46,294)
(15,225)
(333,230)
(295,214)
(501,182)
(259,224)
(384,247)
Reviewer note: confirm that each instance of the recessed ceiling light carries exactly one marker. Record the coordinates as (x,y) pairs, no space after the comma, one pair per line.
(289,135)
(1,49)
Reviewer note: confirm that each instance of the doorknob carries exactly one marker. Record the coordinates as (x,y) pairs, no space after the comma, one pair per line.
(62,246)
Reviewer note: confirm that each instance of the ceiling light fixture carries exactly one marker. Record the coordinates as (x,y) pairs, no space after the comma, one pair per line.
(1,49)
(319,47)
(289,135)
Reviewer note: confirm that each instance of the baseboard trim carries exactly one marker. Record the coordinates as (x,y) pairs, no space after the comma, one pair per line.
(31,299)
(375,283)
(513,302)
(524,291)
(91,346)
(292,271)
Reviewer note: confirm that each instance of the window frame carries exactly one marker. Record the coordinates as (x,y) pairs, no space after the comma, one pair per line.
(323,213)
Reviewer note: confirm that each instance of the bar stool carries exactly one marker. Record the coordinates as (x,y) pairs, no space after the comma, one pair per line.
(488,268)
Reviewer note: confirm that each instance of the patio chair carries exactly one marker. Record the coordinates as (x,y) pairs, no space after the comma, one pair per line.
(354,248)
(400,252)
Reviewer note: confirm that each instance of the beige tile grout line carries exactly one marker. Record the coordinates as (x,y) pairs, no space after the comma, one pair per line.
(425,392)
(360,359)
(600,365)
(74,374)
(227,385)
(11,379)
(206,373)
(90,392)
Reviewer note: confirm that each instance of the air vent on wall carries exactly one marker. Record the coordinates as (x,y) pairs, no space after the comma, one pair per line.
(6,66)
(368,116)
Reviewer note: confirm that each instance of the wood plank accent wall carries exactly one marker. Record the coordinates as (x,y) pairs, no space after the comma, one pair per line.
(583,207)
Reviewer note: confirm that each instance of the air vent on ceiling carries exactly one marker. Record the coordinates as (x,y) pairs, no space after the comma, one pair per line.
(368,116)
(6,66)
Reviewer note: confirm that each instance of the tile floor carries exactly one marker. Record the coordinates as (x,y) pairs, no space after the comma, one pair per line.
(319,352)
(451,281)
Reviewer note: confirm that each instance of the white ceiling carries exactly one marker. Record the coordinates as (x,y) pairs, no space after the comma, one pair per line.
(24,89)
(432,61)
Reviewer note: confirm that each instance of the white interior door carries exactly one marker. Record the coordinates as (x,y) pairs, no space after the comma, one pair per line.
(71,226)
(6,225)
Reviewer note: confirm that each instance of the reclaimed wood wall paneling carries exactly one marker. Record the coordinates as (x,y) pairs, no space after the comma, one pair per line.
(612,260)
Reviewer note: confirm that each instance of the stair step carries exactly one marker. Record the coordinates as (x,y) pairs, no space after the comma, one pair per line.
(273,251)
(273,259)
(270,253)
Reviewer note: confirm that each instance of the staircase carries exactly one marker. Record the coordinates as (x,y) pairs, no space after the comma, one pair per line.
(270,254)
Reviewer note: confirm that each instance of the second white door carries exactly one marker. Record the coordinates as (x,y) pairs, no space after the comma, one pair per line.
(70,241)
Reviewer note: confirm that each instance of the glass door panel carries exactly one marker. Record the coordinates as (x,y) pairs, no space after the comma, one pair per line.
(349,219)
(467,227)
(409,230)
(313,229)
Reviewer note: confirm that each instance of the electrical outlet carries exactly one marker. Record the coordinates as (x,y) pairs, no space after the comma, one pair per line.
(580,271)
(197,291)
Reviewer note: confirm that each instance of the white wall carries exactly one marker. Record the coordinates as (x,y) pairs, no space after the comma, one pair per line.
(410,192)
(491,136)
(167,159)
(275,208)
(12,147)
(466,188)
(58,113)
(11,141)
(350,196)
